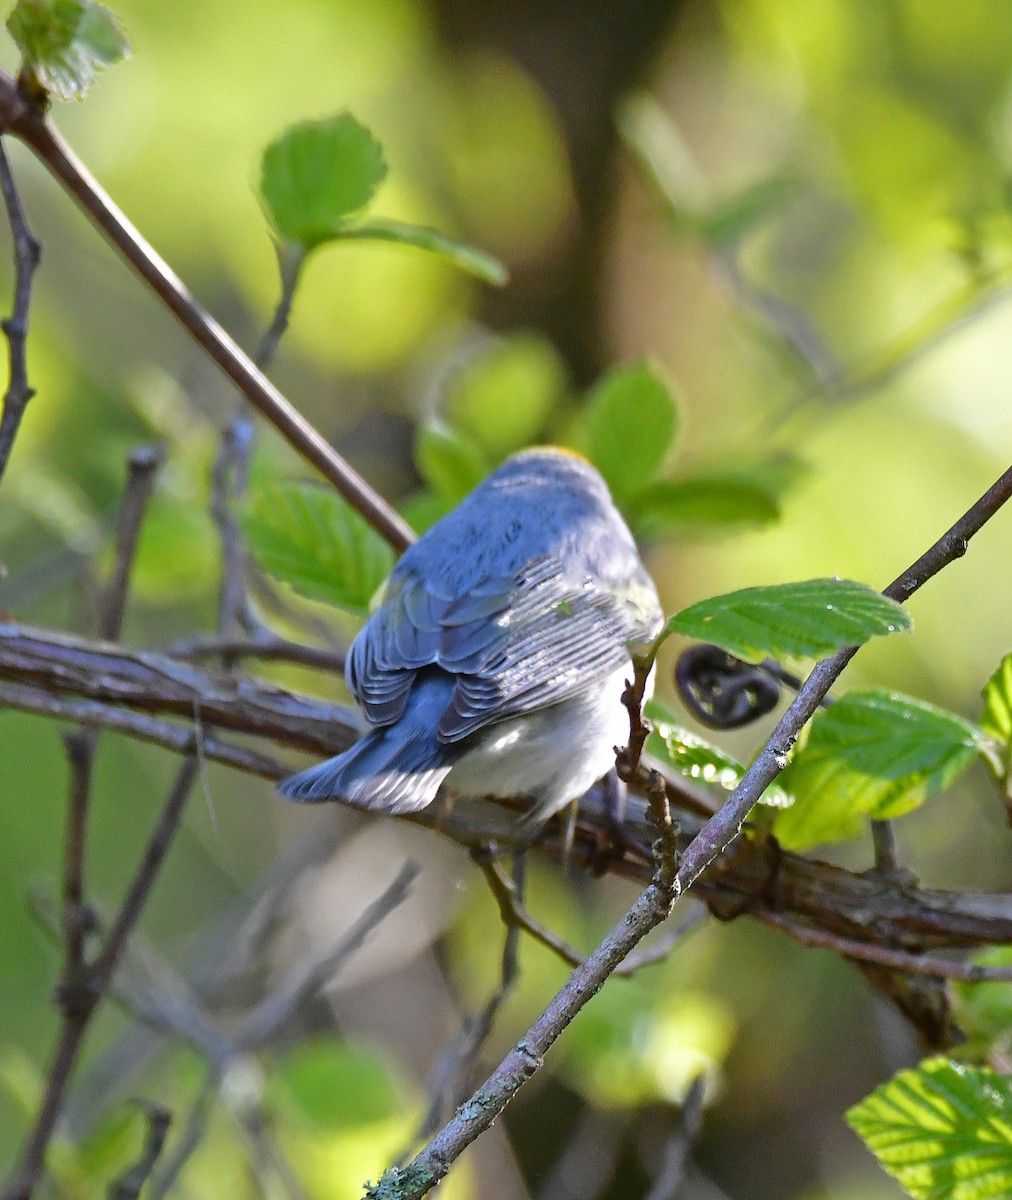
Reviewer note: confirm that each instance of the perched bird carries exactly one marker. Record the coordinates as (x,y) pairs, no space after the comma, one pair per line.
(497,659)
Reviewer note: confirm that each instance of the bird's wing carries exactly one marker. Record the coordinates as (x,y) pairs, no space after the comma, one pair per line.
(514,644)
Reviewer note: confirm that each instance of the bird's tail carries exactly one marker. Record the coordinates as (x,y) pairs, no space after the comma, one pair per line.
(396,769)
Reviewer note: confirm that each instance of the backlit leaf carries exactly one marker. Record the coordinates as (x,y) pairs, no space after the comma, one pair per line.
(65,43)
(318,173)
(628,427)
(944,1130)
(313,540)
(698,759)
(876,755)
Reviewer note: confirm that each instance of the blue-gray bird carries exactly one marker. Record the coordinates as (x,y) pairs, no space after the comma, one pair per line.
(496,662)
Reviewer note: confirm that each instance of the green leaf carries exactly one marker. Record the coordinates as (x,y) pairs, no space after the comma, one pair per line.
(872,754)
(318,173)
(943,1130)
(701,505)
(65,43)
(996,721)
(985,1009)
(313,540)
(449,462)
(475,262)
(503,396)
(792,620)
(696,758)
(628,426)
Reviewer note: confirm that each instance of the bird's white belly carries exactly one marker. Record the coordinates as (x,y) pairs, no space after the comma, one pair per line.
(554,754)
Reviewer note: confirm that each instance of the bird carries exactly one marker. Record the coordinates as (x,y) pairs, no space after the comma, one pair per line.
(495,662)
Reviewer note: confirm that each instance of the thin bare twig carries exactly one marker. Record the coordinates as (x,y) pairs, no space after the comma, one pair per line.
(513,913)
(15,327)
(267,648)
(887,956)
(268,1017)
(187,1020)
(27,121)
(452,1076)
(473,1117)
(668,1184)
(182,739)
(81,995)
(81,744)
(129,1184)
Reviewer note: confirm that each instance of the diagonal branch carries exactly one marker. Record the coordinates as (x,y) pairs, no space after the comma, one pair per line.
(24,119)
(654,904)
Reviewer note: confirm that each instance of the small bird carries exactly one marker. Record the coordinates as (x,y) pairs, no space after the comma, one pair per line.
(496,662)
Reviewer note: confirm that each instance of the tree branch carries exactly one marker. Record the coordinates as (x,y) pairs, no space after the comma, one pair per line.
(15,327)
(655,902)
(24,119)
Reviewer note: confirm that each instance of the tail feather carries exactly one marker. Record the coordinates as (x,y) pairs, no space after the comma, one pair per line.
(396,769)
(374,774)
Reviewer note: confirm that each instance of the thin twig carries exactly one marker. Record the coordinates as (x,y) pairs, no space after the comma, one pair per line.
(668,1184)
(884,840)
(82,997)
(515,916)
(433,1162)
(27,122)
(191,1137)
(272,1012)
(887,956)
(230,475)
(180,738)
(129,1184)
(452,1077)
(263,647)
(15,327)
(81,744)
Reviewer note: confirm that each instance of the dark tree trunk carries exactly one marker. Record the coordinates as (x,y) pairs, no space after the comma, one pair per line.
(585,55)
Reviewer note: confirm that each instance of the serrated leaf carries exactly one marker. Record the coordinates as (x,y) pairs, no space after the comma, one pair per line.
(792,620)
(316,174)
(313,540)
(628,427)
(503,396)
(468,258)
(698,759)
(943,1130)
(449,462)
(65,43)
(876,755)
(702,505)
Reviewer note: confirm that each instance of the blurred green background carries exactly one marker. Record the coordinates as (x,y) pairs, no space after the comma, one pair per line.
(823,279)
